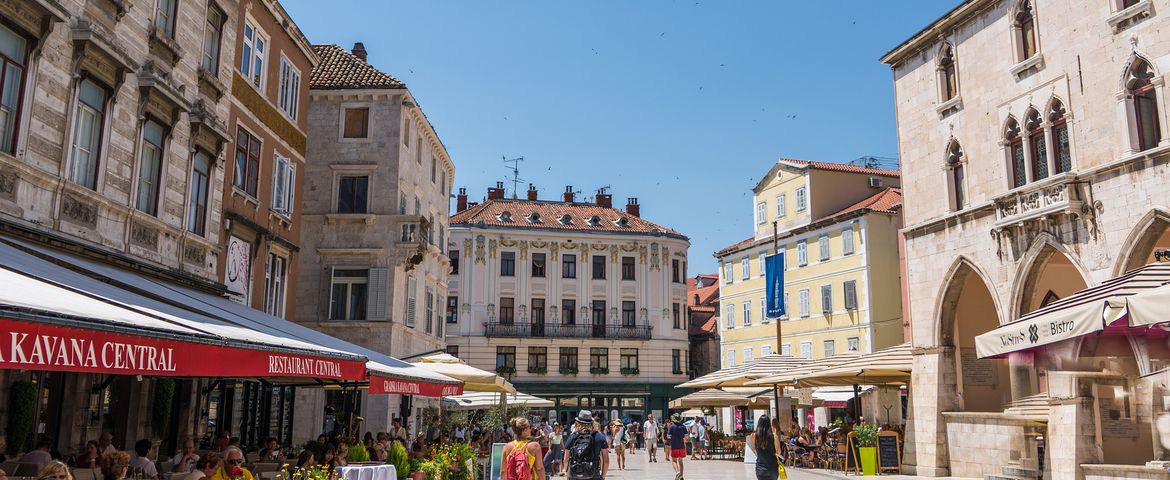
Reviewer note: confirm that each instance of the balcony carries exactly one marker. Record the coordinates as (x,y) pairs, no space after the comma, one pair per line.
(1040,201)
(555,330)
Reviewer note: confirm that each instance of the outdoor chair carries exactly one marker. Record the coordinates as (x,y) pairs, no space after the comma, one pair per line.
(85,474)
(18,469)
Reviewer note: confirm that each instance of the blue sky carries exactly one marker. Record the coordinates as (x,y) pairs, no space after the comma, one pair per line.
(682,104)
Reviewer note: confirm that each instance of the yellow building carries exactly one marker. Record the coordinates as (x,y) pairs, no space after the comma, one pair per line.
(837,225)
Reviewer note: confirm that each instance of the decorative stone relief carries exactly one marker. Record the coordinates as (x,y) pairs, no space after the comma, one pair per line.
(79,211)
(653,256)
(491,248)
(613,253)
(144,235)
(8,183)
(642,253)
(523,249)
(194,254)
(554,249)
(479,249)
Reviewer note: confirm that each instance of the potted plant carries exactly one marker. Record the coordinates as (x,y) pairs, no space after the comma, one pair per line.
(401,461)
(415,468)
(865,435)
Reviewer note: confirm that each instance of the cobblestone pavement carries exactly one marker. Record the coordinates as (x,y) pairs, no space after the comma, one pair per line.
(638,468)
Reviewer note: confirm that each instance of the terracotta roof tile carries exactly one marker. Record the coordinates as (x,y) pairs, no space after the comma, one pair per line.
(841,167)
(550,215)
(888,200)
(340,70)
(708,325)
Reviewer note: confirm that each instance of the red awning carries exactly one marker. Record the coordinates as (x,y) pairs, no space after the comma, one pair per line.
(396,386)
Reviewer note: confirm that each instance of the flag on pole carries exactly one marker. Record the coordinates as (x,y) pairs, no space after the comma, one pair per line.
(774,279)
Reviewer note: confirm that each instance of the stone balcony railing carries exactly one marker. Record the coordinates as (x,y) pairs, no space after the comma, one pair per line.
(556,330)
(1052,197)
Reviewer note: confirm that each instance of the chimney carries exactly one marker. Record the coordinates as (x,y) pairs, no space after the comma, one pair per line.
(461,200)
(568,194)
(604,200)
(633,208)
(531,193)
(359,51)
(496,193)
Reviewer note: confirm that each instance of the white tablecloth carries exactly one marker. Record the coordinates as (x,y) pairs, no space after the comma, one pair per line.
(367,472)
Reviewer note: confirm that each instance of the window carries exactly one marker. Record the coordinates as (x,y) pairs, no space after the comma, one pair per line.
(289,94)
(1026,29)
(247,162)
(730,315)
(598,310)
(439,305)
(417,205)
(507,310)
(823,244)
(508,264)
(847,241)
(851,295)
(599,267)
(854,344)
(763,264)
(947,74)
(745,267)
(826,298)
(629,316)
(1036,145)
(802,253)
(164,16)
(406,132)
(452,309)
(1015,143)
(212,34)
(1061,154)
(806,350)
(765,350)
(274,285)
(956,163)
(453,255)
(430,309)
(801,199)
(351,194)
(254,54)
(786,306)
(197,196)
(537,359)
(599,360)
(763,310)
(804,303)
(453,350)
(568,359)
(538,265)
(418,152)
(1145,105)
(627,268)
(786,350)
(727,276)
(747,313)
(434,168)
(730,358)
(87,133)
(409,233)
(348,294)
(357,123)
(284,181)
(628,360)
(748,354)
(13,56)
(675,314)
(761,213)
(674,271)
(538,311)
(568,311)
(506,359)
(411,303)
(830,348)
(676,361)
(150,170)
(781,206)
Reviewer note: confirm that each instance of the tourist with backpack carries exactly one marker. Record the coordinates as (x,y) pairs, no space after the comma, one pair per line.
(520,456)
(676,435)
(586,451)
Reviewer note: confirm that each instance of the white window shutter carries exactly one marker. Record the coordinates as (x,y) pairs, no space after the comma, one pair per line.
(376,291)
(291,187)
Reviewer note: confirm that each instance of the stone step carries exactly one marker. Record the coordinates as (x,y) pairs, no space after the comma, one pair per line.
(1006,477)
(1020,471)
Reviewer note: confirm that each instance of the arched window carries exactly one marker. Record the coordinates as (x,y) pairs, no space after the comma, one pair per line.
(1026,29)
(1061,153)
(956,165)
(1015,145)
(1037,146)
(947,75)
(1145,104)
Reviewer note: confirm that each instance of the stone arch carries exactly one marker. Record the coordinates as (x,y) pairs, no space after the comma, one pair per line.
(960,271)
(1039,273)
(968,308)
(1147,234)
(1134,57)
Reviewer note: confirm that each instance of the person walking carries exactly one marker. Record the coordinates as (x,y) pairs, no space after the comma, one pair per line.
(556,451)
(650,433)
(586,452)
(763,444)
(618,433)
(520,455)
(701,439)
(677,436)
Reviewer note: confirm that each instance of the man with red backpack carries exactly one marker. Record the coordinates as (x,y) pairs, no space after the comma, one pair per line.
(520,456)
(586,451)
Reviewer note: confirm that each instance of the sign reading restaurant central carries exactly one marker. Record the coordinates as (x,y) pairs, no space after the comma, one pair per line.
(35,346)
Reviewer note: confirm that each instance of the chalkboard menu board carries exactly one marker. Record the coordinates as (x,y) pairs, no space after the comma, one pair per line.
(889,452)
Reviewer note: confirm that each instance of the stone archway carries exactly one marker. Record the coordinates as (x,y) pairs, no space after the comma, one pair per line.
(969,309)
(1151,233)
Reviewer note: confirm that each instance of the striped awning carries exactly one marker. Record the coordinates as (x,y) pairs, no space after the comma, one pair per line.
(888,366)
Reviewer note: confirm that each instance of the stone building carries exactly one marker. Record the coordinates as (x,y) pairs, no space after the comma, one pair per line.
(576,302)
(112,132)
(1034,148)
(373,267)
(703,316)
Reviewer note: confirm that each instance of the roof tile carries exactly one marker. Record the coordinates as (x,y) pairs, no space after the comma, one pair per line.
(841,167)
(550,214)
(340,70)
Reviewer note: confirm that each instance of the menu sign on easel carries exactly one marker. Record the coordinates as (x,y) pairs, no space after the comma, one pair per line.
(889,452)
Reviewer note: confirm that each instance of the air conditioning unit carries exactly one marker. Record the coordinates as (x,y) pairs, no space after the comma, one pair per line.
(875,182)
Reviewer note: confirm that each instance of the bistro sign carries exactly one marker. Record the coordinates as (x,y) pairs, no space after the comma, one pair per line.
(1041,330)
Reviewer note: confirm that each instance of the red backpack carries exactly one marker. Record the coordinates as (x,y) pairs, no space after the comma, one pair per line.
(519,463)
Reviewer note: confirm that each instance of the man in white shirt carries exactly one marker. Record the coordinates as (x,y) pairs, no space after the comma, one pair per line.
(650,430)
(40,455)
(142,462)
(186,459)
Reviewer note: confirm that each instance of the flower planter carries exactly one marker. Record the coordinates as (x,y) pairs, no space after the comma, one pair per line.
(868,460)
(417,476)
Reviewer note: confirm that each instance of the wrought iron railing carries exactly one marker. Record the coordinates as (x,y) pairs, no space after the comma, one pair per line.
(556,330)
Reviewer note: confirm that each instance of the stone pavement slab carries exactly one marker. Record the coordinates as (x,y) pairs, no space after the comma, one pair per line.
(639,468)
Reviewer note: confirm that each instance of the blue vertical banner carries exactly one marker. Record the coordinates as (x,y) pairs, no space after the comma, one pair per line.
(774,279)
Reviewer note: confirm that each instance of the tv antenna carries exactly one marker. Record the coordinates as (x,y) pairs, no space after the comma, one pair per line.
(515,168)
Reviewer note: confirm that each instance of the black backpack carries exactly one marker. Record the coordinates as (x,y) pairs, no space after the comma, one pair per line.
(583,457)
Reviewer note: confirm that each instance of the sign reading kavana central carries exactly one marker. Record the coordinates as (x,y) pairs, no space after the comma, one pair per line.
(774,279)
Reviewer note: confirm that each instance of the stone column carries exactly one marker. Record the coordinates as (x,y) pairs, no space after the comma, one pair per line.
(933,390)
(309,414)
(1071,439)
(1022,375)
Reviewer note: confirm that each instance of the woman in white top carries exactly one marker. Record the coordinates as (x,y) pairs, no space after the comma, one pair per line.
(204,467)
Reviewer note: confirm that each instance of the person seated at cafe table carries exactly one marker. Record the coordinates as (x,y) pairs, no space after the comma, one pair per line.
(55,470)
(205,467)
(186,459)
(306,460)
(142,462)
(115,465)
(271,452)
(232,467)
(40,455)
(90,458)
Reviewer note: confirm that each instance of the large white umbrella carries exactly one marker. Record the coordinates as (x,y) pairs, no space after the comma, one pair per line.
(474,379)
(480,400)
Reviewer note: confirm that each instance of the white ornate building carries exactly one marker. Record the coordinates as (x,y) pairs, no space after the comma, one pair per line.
(580,303)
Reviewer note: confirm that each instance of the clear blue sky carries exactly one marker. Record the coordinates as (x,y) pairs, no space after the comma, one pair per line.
(682,104)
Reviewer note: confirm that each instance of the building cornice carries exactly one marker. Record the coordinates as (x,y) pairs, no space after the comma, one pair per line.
(937,29)
(567,233)
(827,224)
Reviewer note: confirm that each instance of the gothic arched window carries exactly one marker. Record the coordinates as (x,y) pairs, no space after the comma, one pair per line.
(1145,115)
(1037,144)
(1061,153)
(1015,146)
(956,167)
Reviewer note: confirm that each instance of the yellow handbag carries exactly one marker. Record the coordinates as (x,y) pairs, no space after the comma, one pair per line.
(782,473)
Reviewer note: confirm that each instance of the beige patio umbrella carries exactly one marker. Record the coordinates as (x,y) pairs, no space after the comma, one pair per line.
(789,377)
(714,397)
(480,400)
(474,379)
(740,375)
(883,367)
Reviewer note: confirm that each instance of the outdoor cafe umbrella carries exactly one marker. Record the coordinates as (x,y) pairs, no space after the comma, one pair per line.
(480,400)
(474,379)
(714,397)
(883,367)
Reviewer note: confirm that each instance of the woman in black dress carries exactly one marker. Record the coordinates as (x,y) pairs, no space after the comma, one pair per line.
(763,443)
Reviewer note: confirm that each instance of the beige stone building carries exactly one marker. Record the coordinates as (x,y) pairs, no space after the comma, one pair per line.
(377,179)
(1033,139)
(577,302)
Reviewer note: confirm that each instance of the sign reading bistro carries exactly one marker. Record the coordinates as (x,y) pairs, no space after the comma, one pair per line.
(35,346)
(1034,331)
